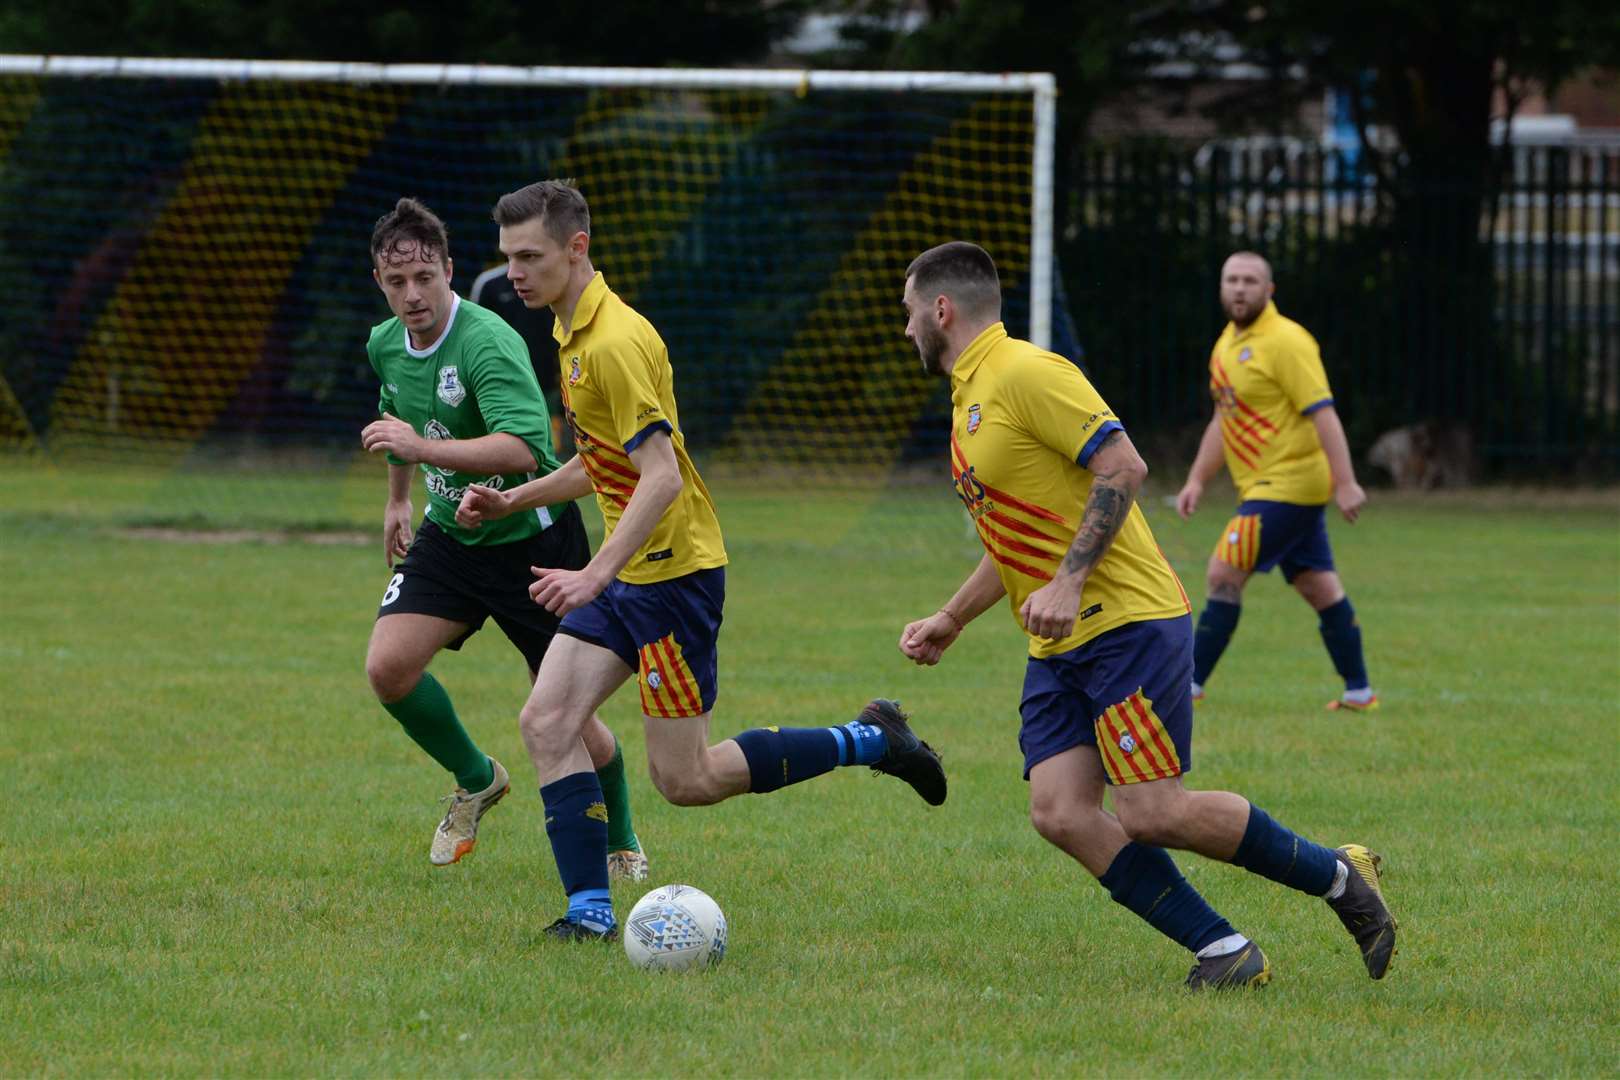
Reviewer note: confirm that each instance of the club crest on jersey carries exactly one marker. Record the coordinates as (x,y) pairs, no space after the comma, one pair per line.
(1126,743)
(574,374)
(1245,355)
(654,679)
(974,417)
(451,392)
(435,430)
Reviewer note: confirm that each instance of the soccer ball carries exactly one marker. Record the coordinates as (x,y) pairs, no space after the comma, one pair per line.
(674,928)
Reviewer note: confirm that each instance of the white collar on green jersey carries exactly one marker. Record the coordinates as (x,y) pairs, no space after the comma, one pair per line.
(455,306)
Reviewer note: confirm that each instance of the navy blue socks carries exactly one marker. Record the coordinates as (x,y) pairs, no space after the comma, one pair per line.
(1273,851)
(778,757)
(1145,879)
(1215,626)
(577,826)
(1342,636)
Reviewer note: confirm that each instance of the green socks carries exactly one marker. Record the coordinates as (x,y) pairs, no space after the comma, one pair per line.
(616,793)
(428,717)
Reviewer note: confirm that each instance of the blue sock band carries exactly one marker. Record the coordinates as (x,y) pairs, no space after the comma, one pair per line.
(1342,636)
(1215,626)
(1145,879)
(845,751)
(779,757)
(1273,851)
(593,908)
(860,744)
(576,825)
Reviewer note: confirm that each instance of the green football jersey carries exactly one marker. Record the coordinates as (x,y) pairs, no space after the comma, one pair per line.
(475,380)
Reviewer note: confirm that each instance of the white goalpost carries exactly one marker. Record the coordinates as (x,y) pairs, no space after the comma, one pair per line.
(779,203)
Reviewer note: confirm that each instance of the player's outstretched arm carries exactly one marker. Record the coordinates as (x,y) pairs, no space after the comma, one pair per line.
(1117,475)
(925,640)
(1346,492)
(561,591)
(481,504)
(1205,465)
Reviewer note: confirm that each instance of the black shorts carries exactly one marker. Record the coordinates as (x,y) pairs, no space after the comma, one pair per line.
(468,583)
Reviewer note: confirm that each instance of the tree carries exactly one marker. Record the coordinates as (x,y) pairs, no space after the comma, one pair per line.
(1085,46)
(631,32)
(1429,72)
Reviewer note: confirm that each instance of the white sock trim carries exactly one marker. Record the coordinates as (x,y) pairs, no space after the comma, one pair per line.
(1231,943)
(1341,876)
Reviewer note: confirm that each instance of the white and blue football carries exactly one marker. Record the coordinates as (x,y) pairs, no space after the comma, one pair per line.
(674,928)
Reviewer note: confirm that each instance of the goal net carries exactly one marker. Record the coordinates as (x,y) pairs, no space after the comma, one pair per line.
(184,244)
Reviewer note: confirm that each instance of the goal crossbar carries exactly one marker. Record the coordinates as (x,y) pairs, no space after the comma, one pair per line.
(1042,87)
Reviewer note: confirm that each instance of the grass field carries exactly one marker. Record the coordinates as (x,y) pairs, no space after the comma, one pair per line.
(215,857)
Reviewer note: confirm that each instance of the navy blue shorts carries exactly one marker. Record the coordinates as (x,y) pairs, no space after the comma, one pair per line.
(667,631)
(1128,692)
(1266,534)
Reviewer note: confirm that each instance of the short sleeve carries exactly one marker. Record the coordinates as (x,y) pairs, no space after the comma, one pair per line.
(509,397)
(1057,404)
(1300,373)
(628,379)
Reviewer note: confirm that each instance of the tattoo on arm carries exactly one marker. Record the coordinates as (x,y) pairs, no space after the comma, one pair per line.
(1105,512)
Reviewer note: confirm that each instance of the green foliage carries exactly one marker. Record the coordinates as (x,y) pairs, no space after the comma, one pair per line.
(1425,72)
(216,860)
(640,32)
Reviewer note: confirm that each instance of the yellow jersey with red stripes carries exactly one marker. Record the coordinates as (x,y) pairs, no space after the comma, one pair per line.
(1266,380)
(1024,424)
(618,389)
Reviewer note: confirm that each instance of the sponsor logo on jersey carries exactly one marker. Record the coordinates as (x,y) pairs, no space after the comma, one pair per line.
(974,498)
(583,442)
(444,489)
(574,374)
(392,389)
(451,392)
(1126,743)
(1094,419)
(436,430)
(974,418)
(1245,355)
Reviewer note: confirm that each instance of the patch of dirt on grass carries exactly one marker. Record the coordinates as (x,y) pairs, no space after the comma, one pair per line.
(244,536)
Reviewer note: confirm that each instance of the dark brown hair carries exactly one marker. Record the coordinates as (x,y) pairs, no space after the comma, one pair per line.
(410,224)
(557,203)
(964,272)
